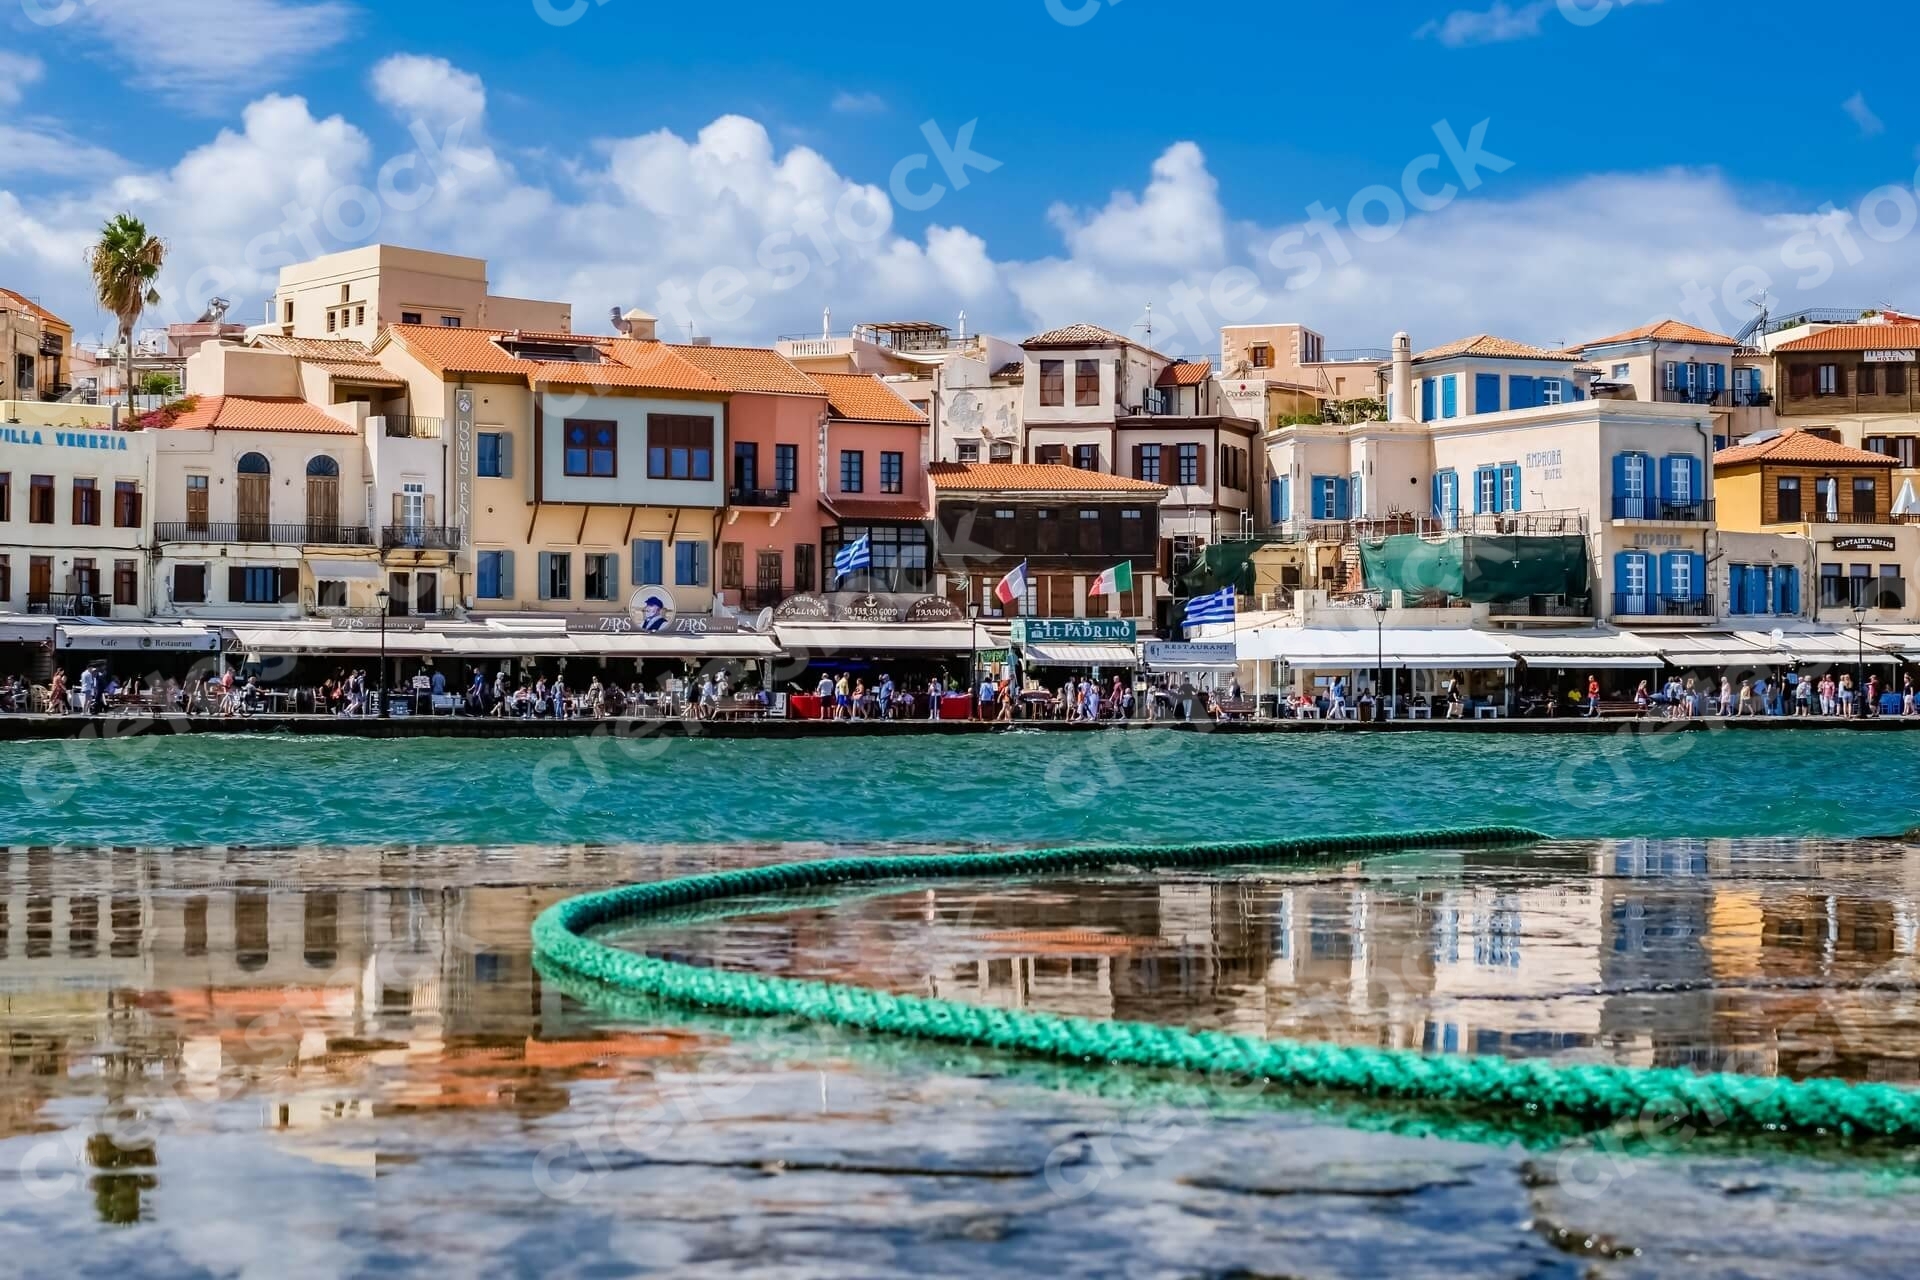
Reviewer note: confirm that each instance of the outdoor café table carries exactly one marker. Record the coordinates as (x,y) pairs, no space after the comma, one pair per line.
(1038,706)
(1420,711)
(1487,711)
(1308,711)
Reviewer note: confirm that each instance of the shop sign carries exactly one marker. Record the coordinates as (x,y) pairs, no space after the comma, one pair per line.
(1029,631)
(1887,357)
(866,606)
(105,641)
(1862,544)
(111,441)
(1195,653)
(371,622)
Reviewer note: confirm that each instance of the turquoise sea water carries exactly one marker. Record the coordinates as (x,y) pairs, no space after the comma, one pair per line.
(1011,789)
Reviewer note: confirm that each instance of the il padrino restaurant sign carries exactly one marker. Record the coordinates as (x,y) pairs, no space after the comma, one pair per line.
(1028,631)
(867,607)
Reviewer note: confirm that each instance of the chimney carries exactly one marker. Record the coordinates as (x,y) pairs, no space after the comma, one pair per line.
(1402,377)
(638,324)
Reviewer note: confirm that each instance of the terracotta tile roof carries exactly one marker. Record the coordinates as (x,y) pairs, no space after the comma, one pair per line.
(862,397)
(1486,344)
(1012,371)
(334,349)
(259,413)
(1031,477)
(875,509)
(626,362)
(749,369)
(1076,335)
(357,371)
(1185,373)
(1800,446)
(1669,331)
(1858,337)
(20,302)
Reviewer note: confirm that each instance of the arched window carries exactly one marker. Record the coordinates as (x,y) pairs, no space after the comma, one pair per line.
(323,499)
(252,496)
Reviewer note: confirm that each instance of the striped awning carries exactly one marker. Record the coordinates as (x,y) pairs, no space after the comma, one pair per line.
(1081,655)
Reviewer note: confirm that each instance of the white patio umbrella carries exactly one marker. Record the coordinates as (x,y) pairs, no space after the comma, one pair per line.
(1833,501)
(1907,504)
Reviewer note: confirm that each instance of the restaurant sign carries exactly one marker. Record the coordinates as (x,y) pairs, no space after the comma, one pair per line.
(1195,653)
(1887,357)
(370,621)
(866,606)
(1861,543)
(107,640)
(1028,631)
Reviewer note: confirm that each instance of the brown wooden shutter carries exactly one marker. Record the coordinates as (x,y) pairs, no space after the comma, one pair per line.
(1169,464)
(1200,466)
(1138,450)
(398,518)
(289,585)
(236,583)
(429,516)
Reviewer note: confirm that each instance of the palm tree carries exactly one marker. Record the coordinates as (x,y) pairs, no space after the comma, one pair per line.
(124,263)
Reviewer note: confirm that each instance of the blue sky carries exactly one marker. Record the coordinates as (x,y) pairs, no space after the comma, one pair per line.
(1131,152)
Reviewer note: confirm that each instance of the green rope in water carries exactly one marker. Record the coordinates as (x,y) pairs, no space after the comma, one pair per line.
(1589,1095)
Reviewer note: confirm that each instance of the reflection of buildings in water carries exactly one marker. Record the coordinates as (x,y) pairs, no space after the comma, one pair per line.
(326,1004)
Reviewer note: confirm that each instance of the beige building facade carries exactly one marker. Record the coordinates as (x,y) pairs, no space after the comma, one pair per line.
(358,292)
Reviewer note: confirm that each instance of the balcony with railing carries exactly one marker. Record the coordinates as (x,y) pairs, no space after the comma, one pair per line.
(738,497)
(1648,604)
(1548,606)
(68,604)
(309,534)
(403,426)
(419,537)
(1652,508)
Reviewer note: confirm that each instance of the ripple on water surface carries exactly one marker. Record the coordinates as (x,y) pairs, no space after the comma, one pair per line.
(1017,788)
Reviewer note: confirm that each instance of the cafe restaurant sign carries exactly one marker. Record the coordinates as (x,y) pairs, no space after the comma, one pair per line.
(1028,631)
(1862,543)
(867,607)
(1195,653)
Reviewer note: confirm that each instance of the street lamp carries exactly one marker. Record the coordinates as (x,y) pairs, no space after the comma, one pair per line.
(1858,607)
(1380,652)
(381,597)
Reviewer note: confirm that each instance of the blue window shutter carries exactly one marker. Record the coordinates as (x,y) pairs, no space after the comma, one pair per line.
(1342,498)
(1790,591)
(506,455)
(1435,487)
(1273,500)
(506,575)
(1696,481)
(1479,505)
(546,573)
(1619,475)
(1522,392)
(648,563)
(1450,396)
(1514,470)
(1697,579)
(1666,478)
(1286,497)
(1314,511)
(1426,399)
(1667,570)
(1486,393)
(1620,559)
(1737,589)
(487,575)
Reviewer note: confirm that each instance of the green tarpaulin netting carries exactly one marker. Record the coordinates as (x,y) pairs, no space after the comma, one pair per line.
(1482,569)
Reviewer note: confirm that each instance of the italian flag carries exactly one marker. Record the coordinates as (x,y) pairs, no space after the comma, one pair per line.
(1114,581)
(1013,587)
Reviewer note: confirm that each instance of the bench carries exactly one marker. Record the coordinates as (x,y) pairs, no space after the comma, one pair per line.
(1236,709)
(1609,710)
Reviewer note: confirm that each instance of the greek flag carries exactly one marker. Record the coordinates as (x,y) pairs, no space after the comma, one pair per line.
(1217,607)
(857,554)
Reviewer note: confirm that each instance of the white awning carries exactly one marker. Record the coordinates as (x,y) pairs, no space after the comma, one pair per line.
(1586,647)
(343,640)
(359,570)
(26,631)
(538,644)
(1396,648)
(1824,647)
(1896,640)
(1703,648)
(1081,655)
(731,644)
(135,636)
(853,638)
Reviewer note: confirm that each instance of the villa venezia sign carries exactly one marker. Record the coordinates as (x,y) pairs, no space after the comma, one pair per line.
(1863,544)
(1029,631)
(108,440)
(1888,357)
(866,606)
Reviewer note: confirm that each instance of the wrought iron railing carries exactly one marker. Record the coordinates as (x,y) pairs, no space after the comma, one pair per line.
(759,497)
(68,604)
(1649,507)
(419,537)
(1551,606)
(311,533)
(1649,604)
(401,426)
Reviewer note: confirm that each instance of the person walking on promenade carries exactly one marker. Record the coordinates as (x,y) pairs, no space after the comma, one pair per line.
(1829,699)
(1726,696)
(1872,707)
(1337,697)
(1593,696)
(1906,694)
(1803,698)
(1746,707)
(1846,696)
(57,701)
(1005,700)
